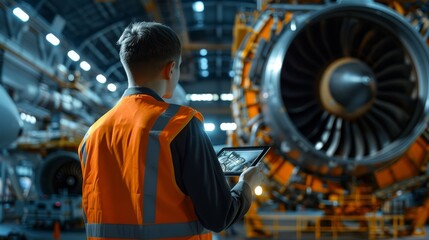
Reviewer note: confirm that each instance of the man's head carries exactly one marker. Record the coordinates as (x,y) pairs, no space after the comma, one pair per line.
(151,52)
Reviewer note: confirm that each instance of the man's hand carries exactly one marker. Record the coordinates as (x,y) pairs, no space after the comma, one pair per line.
(252,176)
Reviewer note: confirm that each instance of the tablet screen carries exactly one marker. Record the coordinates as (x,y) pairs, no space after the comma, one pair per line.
(234,160)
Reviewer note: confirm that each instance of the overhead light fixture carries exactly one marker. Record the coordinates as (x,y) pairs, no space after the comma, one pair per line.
(85,66)
(205,73)
(209,127)
(203,52)
(101,78)
(73,55)
(231,73)
(231,126)
(51,38)
(62,68)
(204,65)
(204,60)
(19,13)
(258,191)
(71,77)
(203,97)
(226,96)
(198,6)
(111,87)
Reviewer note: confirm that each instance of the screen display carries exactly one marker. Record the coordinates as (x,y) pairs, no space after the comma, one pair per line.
(235,160)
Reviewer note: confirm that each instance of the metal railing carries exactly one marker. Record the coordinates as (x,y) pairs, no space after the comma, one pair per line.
(374,225)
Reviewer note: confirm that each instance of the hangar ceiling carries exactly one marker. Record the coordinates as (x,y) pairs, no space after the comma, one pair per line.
(94,26)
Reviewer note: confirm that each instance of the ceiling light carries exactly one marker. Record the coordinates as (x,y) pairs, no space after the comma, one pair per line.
(231,73)
(19,13)
(203,52)
(205,73)
(52,39)
(226,97)
(204,60)
(207,97)
(62,68)
(258,191)
(198,6)
(73,55)
(111,87)
(85,66)
(209,127)
(204,66)
(101,78)
(70,77)
(228,126)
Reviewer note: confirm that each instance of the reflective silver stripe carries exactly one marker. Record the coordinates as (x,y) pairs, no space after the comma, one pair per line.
(84,216)
(152,156)
(155,231)
(83,149)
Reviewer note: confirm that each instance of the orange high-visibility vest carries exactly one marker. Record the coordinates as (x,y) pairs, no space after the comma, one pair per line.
(129,188)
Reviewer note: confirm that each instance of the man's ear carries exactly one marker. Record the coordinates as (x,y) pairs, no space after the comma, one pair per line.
(168,70)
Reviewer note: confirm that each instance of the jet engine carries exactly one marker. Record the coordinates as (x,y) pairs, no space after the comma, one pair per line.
(11,124)
(340,92)
(60,173)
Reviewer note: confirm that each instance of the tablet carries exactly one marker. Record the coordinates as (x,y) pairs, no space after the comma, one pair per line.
(234,160)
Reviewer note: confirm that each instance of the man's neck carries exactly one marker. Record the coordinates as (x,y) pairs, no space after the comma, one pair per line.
(157,86)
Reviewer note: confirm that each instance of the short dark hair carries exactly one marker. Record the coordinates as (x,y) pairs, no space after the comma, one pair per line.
(150,43)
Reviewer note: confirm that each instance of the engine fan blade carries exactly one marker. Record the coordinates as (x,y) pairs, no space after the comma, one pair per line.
(303,52)
(393,128)
(347,141)
(313,35)
(316,131)
(381,133)
(400,99)
(326,133)
(303,120)
(379,49)
(393,71)
(302,108)
(370,138)
(389,58)
(397,113)
(396,85)
(298,65)
(358,140)
(297,92)
(336,137)
(367,42)
(324,32)
(351,33)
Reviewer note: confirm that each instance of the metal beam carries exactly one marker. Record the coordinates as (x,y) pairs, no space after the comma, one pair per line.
(98,54)
(183,27)
(209,46)
(152,9)
(109,45)
(112,27)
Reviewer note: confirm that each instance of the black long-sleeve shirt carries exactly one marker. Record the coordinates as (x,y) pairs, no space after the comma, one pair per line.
(199,175)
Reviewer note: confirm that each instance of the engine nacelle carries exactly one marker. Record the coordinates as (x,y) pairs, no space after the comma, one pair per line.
(60,173)
(339,91)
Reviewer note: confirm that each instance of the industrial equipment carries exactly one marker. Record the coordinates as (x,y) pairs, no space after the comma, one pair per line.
(46,107)
(10,122)
(339,89)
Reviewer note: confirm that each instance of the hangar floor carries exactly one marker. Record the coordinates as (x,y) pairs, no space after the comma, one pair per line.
(34,234)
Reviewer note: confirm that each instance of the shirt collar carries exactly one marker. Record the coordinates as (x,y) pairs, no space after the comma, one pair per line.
(142,90)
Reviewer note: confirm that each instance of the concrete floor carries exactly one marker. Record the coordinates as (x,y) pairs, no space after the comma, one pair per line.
(47,234)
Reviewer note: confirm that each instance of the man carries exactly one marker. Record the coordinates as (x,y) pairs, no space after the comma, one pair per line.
(149,169)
